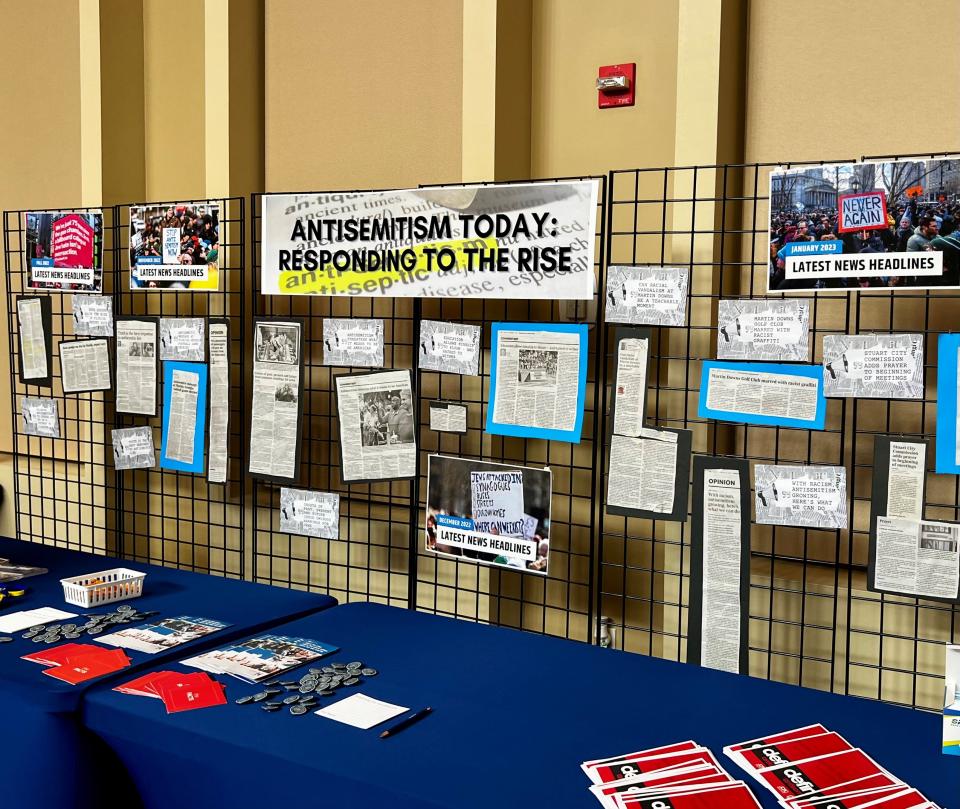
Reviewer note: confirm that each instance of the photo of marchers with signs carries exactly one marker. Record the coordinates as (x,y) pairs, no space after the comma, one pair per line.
(861,226)
(277,343)
(386,417)
(175,246)
(536,367)
(64,251)
(491,513)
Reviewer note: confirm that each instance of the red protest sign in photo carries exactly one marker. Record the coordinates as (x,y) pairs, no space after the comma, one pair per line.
(867,211)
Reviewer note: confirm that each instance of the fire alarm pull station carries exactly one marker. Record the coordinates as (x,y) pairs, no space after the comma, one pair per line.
(615,85)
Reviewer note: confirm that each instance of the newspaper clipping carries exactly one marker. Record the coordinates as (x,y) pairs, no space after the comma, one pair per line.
(630,390)
(275,410)
(175,247)
(182,338)
(310,514)
(64,250)
(353,342)
(137,367)
(643,471)
(133,448)
(647,295)
(84,365)
(218,337)
(92,315)
(720,635)
(906,474)
(873,366)
(918,558)
(377,426)
(40,417)
(775,330)
(33,341)
(763,394)
(448,417)
(452,348)
(537,380)
(807,496)
(492,513)
(182,422)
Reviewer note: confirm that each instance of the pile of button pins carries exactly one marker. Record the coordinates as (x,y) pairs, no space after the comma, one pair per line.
(94,625)
(322,682)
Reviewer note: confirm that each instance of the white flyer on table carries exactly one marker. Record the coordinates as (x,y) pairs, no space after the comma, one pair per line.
(647,295)
(630,388)
(182,338)
(136,367)
(40,417)
(452,348)
(33,341)
(353,341)
(775,330)
(809,496)
(218,346)
(377,425)
(84,365)
(310,514)
(918,557)
(873,366)
(361,711)
(133,448)
(275,411)
(643,471)
(92,315)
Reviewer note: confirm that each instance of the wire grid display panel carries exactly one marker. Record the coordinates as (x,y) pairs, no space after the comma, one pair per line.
(180,519)
(63,493)
(370,560)
(560,603)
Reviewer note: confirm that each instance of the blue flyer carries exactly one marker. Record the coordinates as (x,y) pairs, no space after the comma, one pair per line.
(764,393)
(947,347)
(184,401)
(533,368)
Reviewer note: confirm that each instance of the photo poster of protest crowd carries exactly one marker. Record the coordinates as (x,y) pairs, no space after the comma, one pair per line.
(64,250)
(861,226)
(494,514)
(175,246)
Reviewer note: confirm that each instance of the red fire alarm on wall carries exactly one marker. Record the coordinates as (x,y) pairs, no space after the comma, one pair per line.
(615,85)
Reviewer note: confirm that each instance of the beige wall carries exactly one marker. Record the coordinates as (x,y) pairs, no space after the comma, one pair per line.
(388,119)
(904,101)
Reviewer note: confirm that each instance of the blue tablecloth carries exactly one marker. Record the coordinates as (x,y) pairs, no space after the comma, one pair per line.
(514,715)
(48,760)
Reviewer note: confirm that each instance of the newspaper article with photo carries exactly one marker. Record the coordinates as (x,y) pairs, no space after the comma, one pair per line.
(647,295)
(756,393)
(377,426)
(807,496)
(452,348)
(34,323)
(642,475)
(906,477)
(918,558)
(775,330)
(40,417)
(873,366)
(353,342)
(182,339)
(175,247)
(218,347)
(721,558)
(630,386)
(310,514)
(863,226)
(275,406)
(92,315)
(136,366)
(64,250)
(181,423)
(494,514)
(511,241)
(133,448)
(84,365)
(537,382)
(448,417)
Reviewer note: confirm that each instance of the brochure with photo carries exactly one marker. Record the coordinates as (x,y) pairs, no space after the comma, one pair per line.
(261,658)
(163,634)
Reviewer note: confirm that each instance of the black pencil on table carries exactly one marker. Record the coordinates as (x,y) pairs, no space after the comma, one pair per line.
(405,723)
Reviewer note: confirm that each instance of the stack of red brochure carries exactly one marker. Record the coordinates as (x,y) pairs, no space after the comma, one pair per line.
(179,692)
(78,662)
(813,768)
(683,776)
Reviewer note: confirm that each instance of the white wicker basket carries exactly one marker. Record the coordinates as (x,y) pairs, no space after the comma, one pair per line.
(104,587)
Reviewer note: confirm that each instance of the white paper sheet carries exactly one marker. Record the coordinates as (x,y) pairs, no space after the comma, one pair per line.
(361,711)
